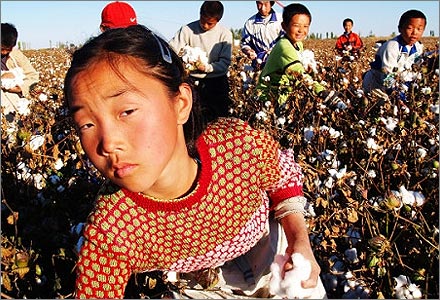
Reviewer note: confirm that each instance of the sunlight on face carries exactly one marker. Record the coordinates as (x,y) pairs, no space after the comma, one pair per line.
(298,28)
(348,26)
(264,8)
(413,31)
(130,134)
(207,23)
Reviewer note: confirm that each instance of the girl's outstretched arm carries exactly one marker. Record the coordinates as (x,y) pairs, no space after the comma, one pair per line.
(297,235)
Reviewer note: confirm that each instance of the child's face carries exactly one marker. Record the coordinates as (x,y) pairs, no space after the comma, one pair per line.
(348,26)
(413,30)
(207,23)
(298,28)
(134,137)
(264,8)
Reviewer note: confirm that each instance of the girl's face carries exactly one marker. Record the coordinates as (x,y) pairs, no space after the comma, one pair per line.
(413,30)
(131,128)
(298,28)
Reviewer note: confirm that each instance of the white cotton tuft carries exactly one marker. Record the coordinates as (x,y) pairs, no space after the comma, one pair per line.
(290,286)
(275,268)
(307,58)
(18,78)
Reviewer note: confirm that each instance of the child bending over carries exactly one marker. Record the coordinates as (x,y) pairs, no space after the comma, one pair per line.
(180,196)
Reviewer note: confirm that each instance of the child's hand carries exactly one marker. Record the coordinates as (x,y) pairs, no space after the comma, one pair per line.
(8,75)
(312,280)
(16,89)
(201,66)
(250,53)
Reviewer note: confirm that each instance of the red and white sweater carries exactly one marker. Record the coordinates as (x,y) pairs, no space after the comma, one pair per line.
(221,219)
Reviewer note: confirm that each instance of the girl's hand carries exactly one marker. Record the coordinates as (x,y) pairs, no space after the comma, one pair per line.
(312,281)
(298,242)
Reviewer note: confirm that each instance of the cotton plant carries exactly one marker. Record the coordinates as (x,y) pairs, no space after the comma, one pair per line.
(11,131)
(435,108)
(411,198)
(22,106)
(36,141)
(332,132)
(404,289)
(390,123)
(353,289)
(396,199)
(247,76)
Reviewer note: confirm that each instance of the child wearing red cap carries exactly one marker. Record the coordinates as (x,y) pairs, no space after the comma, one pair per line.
(117,15)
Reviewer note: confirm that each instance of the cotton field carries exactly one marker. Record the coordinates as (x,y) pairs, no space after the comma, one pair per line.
(370,164)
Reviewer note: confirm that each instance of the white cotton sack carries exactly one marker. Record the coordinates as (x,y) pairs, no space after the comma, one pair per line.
(290,286)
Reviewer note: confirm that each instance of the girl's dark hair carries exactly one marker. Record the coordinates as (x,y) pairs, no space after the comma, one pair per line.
(295,9)
(157,59)
(9,35)
(410,14)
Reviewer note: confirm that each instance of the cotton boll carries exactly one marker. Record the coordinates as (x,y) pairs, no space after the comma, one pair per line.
(407,196)
(18,77)
(290,286)
(419,198)
(307,58)
(275,280)
(292,279)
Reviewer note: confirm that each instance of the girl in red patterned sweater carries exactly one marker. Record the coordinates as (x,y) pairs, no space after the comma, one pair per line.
(180,196)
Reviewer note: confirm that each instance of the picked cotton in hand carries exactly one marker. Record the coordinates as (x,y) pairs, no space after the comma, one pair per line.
(290,286)
(193,56)
(9,83)
(307,58)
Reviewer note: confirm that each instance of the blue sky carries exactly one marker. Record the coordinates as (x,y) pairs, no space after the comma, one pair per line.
(39,22)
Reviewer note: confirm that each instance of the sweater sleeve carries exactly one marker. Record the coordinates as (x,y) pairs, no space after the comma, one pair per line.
(220,65)
(102,271)
(390,56)
(179,40)
(282,176)
(290,183)
(31,75)
(340,43)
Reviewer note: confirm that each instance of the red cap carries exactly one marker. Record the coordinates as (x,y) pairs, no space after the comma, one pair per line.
(118,14)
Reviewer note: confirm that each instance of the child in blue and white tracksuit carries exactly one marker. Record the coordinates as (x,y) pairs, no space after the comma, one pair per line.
(395,57)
